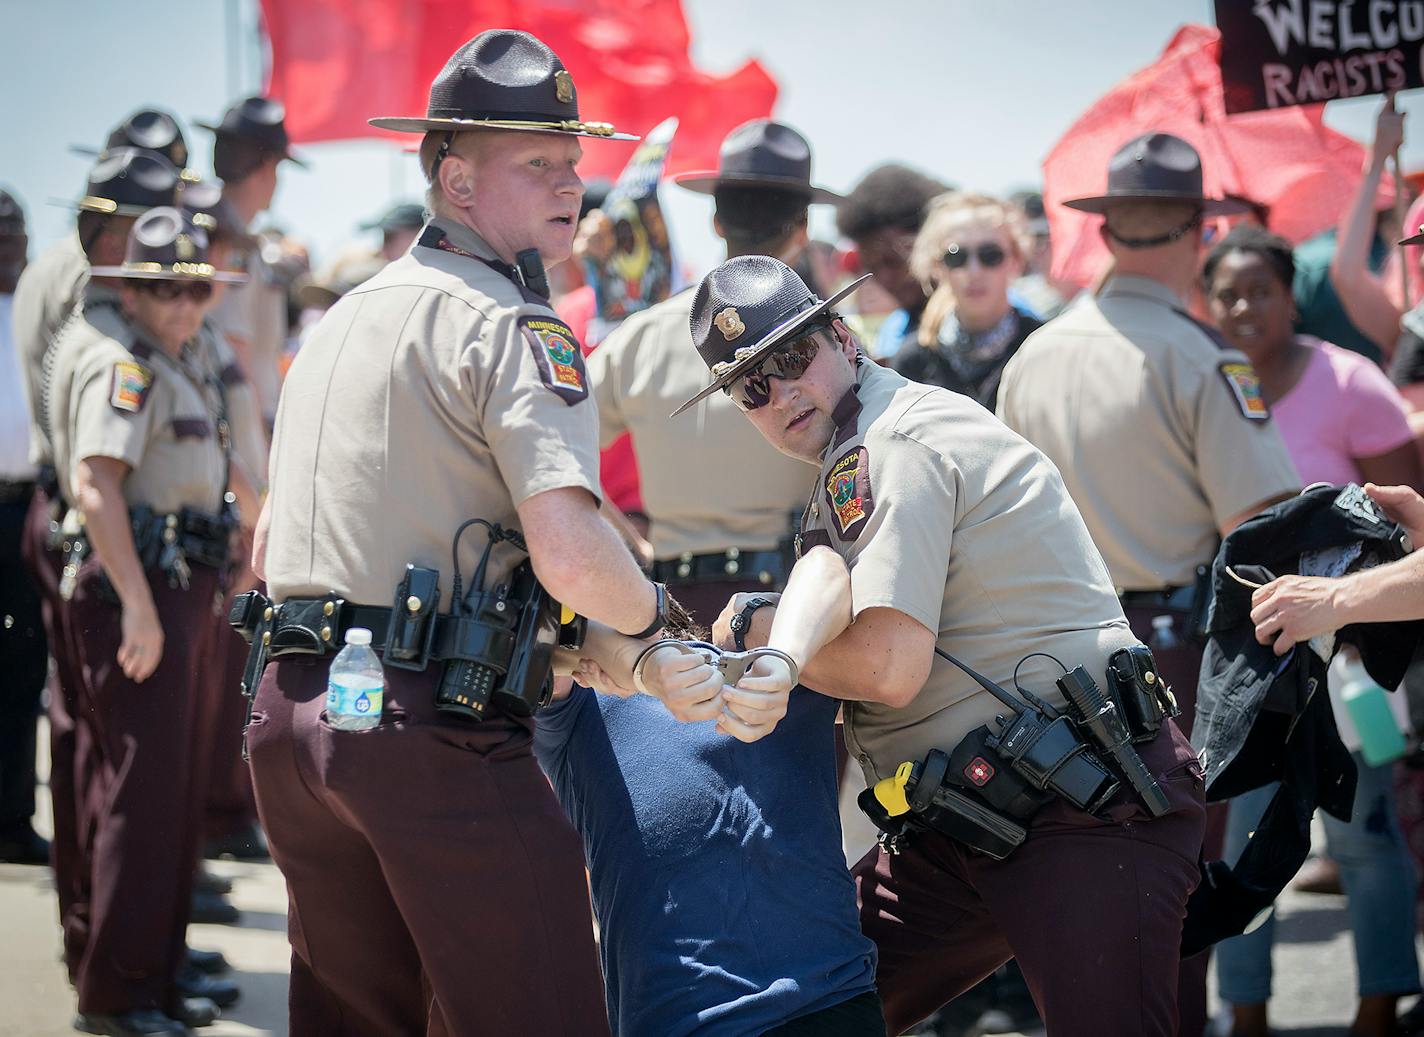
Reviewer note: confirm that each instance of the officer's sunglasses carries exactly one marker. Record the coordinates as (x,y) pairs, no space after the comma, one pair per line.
(752,390)
(989,255)
(168,291)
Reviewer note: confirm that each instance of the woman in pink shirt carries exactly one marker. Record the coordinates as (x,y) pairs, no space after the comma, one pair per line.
(1342,421)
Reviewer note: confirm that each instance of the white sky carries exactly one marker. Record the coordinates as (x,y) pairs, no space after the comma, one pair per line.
(974,91)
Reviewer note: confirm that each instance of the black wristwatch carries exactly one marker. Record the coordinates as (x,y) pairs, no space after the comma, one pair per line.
(660,618)
(742,621)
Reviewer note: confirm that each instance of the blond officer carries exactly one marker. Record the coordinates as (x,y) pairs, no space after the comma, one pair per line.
(1158,427)
(714,534)
(140,450)
(431,871)
(960,537)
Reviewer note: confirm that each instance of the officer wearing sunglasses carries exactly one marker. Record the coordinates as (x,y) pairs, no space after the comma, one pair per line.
(959,536)
(139,425)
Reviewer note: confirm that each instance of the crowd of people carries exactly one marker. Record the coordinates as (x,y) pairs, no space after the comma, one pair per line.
(865,522)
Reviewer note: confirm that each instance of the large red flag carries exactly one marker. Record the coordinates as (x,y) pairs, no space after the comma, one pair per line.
(336,63)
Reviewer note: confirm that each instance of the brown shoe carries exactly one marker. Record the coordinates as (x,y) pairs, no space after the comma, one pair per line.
(1318,875)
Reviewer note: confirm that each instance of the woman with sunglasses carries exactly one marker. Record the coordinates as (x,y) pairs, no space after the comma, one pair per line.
(141,449)
(970,249)
(1342,421)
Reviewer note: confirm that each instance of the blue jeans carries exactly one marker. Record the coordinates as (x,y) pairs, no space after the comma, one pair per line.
(1379,880)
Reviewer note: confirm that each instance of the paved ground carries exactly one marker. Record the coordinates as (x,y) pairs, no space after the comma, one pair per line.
(1315,972)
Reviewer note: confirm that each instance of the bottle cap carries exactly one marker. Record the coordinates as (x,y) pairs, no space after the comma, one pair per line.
(358,636)
(1158,622)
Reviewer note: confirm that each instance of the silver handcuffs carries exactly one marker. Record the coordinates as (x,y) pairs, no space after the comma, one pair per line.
(732,665)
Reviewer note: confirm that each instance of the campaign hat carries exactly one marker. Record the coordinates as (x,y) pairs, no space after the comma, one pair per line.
(166,245)
(761,153)
(128,182)
(503,79)
(152,129)
(258,120)
(745,308)
(1156,167)
(204,202)
(346,273)
(403,216)
(1413,239)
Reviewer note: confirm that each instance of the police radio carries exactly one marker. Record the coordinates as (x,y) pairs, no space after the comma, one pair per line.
(499,644)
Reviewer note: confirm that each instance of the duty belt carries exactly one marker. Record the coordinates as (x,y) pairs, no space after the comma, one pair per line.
(766,567)
(1166,598)
(170,542)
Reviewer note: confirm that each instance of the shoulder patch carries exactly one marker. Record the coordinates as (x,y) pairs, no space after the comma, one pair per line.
(1246,387)
(557,356)
(129,385)
(848,492)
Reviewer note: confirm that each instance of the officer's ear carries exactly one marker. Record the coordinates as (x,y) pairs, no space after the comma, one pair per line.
(457,179)
(844,339)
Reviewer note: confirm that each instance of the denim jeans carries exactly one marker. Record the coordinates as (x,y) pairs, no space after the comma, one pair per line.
(1379,880)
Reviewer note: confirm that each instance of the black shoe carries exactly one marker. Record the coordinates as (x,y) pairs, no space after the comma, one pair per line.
(248,844)
(205,881)
(198,1011)
(20,845)
(221,992)
(143,1022)
(210,962)
(213,909)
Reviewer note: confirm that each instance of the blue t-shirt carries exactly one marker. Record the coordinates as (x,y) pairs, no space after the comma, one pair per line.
(718,879)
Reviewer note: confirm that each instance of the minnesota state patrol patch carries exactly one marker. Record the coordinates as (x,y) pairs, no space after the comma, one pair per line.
(848,492)
(1246,387)
(128,386)
(557,356)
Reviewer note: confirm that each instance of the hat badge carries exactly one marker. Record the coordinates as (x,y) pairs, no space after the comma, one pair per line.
(563,86)
(729,323)
(183,245)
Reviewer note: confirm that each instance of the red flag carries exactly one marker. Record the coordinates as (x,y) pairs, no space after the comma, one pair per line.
(1285,158)
(336,63)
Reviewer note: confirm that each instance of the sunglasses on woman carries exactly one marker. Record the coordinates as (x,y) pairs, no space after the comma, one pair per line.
(989,255)
(167,291)
(752,390)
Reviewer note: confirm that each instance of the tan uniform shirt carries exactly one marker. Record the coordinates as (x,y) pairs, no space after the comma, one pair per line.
(431,394)
(48,291)
(249,438)
(945,515)
(1160,431)
(254,314)
(709,480)
(113,395)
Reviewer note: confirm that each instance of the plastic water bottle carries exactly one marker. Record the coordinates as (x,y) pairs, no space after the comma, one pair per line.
(1367,703)
(1163,635)
(356,685)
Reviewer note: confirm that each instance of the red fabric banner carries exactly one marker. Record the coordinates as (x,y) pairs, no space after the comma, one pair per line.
(336,63)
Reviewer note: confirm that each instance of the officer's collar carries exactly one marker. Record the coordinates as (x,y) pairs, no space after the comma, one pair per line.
(459,239)
(1135,285)
(848,408)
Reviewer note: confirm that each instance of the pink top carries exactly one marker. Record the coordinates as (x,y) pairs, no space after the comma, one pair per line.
(1342,408)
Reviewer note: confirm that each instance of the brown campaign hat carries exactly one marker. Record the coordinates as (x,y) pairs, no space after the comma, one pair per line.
(1413,239)
(204,203)
(166,245)
(1156,167)
(745,308)
(128,182)
(503,79)
(152,129)
(260,121)
(761,153)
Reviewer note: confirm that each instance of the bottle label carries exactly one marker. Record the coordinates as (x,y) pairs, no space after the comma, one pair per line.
(353,700)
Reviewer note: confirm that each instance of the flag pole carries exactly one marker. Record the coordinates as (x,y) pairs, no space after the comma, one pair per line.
(1401,209)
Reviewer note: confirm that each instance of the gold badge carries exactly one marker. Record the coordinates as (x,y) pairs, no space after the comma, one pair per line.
(729,323)
(563,86)
(184,247)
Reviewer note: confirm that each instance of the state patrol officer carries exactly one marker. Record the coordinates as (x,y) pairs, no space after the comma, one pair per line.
(123,184)
(140,451)
(1158,427)
(432,875)
(961,537)
(721,503)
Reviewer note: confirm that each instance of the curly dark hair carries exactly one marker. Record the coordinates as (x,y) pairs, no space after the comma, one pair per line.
(891,195)
(1273,248)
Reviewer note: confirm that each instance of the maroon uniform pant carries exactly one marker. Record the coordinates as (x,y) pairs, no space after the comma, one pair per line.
(228,806)
(434,884)
(141,804)
(70,746)
(1091,907)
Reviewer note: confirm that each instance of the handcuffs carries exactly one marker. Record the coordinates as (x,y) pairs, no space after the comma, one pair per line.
(732,665)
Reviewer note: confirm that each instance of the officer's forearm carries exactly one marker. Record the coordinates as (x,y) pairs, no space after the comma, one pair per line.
(582,561)
(815,607)
(100,497)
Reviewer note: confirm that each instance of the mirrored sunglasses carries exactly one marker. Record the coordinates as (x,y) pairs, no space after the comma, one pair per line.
(167,291)
(989,255)
(752,390)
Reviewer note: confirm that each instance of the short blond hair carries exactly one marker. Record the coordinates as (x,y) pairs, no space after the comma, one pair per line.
(466,144)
